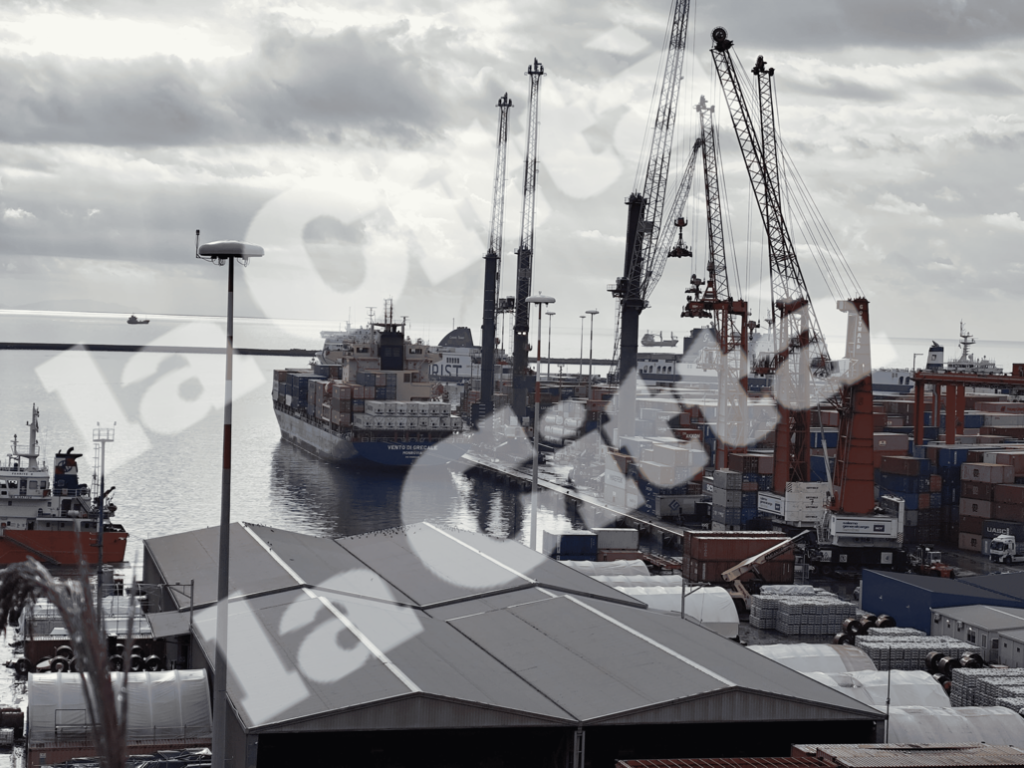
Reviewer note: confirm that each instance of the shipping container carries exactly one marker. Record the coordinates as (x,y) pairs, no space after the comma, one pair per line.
(617,538)
(975,508)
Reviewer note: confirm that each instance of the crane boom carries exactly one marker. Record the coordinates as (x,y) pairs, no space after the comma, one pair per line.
(524,255)
(492,262)
(729,315)
(666,248)
(737,572)
(644,218)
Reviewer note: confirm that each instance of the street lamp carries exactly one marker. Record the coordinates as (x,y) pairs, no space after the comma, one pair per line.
(590,373)
(223,251)
(550,315)
(540,300)
(582,320)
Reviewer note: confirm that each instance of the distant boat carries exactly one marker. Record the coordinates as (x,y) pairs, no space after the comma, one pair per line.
(650,340)
(133,320)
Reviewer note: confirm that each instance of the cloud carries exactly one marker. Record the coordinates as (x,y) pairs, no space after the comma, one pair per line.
(890,203)
(593,234)
(1011,221)
(17,213)
(292,87)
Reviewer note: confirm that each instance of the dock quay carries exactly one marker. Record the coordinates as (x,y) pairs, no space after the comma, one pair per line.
(642,522)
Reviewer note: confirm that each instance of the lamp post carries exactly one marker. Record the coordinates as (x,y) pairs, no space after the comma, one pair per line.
(540,300)
(583,319)
(550,323)
(223,251)
(590,372)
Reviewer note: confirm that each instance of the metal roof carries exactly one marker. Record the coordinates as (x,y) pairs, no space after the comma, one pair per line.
(725,762)
(915,755)
(428,627)
(1009,584)
(987,617)
(961,587)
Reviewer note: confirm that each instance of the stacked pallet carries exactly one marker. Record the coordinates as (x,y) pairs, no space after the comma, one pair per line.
(983,687)
(819,614)
(908,651)
(894,632)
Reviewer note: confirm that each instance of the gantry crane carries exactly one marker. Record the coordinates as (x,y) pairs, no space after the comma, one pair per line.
(729,315)
(524,254)
(492,263)
(799,343)
(643,223)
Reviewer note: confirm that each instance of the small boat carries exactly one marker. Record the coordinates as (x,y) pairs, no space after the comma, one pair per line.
(133,320)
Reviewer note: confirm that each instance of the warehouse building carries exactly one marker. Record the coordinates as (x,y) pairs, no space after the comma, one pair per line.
(427,641)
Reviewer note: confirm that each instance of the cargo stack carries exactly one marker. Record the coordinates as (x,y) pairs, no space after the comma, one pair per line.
(756,470)
(818,614)
(727,501)
(907,652)
(707,554)
(978,484)
(983,687)
(912,480)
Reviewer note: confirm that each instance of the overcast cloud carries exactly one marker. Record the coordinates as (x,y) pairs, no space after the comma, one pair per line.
(358,140)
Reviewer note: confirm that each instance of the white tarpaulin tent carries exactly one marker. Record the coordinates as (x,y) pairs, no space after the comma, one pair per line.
(610,568)
(905,688)
(161,705)
(818,657)
(710,606)
(949,725)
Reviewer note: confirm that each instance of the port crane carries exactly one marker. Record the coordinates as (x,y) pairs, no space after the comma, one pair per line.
(524,254)
(715,301)
(644,218)
(492,263)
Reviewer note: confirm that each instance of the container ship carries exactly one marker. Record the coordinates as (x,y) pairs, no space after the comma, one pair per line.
(55,523)
(367,395)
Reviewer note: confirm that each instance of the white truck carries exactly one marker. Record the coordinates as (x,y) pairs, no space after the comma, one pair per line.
(1006,549)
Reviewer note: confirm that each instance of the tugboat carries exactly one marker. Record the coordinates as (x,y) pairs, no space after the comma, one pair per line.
(55,524)
(133,320)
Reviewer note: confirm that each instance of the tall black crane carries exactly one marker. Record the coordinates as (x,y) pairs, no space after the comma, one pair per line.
(643,222)
(524,255)
(729,315)
(492,263)
(795,327)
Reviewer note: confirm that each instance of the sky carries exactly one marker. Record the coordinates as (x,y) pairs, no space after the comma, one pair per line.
(356,142)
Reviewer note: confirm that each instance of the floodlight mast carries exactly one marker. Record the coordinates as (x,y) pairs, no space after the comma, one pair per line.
(224,250)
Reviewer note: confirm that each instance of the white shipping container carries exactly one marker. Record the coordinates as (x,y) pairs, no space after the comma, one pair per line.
(401,422)
(374,407)
(614,478)
(401,408)
(390,407)
(618,538)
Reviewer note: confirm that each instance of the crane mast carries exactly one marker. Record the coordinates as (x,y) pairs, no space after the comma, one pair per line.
(644,217)
(729,315)
(524,255)
(794,325)
(492,263)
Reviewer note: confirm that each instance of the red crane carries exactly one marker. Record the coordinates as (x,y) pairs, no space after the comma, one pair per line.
(799,344)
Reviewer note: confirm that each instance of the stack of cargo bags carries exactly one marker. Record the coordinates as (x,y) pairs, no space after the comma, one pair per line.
(799,610)
(987,687)
(910,651)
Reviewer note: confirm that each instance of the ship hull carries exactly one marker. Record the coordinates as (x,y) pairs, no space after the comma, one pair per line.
(393,452)
(61,547)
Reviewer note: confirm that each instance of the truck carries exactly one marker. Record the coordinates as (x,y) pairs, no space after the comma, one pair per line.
(1006,549)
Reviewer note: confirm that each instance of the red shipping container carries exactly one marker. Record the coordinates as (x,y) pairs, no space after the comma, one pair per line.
(902,465)
(1002,510)
(1014,458)
(935,483)
(975,525)
(924,501)
(975,490)
(1011,494)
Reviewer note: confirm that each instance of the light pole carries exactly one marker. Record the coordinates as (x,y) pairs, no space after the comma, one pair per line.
(223,251)
(540,300)
(550,323)
(583,319)
(101,436)
(590,372)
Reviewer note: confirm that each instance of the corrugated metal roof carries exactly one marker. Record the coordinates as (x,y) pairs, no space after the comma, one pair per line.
(1008,584)
(912,755)
(963,587)
(358,633)
(987,617)
(169,623)
(725,762)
